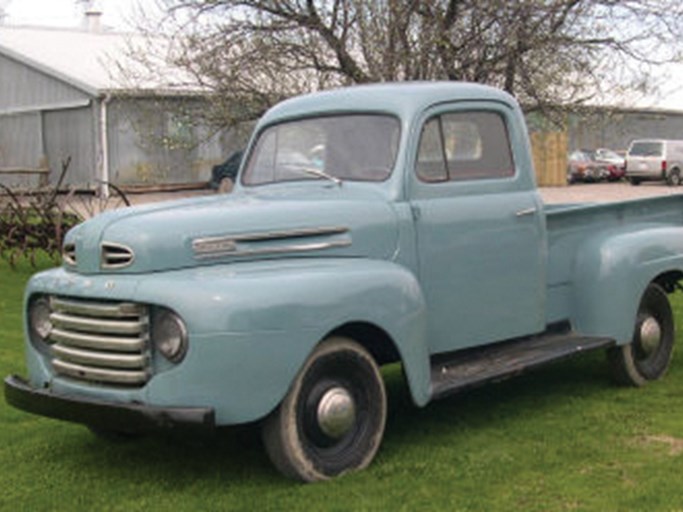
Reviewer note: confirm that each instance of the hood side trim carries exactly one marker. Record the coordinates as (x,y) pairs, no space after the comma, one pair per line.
(221,246)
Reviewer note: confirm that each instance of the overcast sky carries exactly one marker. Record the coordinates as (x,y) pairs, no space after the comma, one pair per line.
(120,14)
(66,13)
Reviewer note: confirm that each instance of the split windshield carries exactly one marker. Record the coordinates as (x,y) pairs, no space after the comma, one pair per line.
(334,148)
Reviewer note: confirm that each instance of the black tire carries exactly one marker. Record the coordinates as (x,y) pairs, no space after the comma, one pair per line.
(341,380)
(648,355)
(634,181)
(674,178)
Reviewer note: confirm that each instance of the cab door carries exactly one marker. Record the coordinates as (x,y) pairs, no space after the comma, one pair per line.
(479,226)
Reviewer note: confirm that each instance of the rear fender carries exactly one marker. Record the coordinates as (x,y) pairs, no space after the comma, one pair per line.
(612,271)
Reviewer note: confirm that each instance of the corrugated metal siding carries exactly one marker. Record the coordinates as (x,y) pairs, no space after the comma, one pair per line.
(158,141)
(20,146)
(71,133)
(22,88)
(616,130)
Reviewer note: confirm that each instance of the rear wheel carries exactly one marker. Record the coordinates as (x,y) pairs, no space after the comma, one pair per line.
(332,419)
(634,181)
(648,355)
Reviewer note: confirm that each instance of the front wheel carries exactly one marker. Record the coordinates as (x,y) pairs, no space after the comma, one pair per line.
(648,355)
(332,419)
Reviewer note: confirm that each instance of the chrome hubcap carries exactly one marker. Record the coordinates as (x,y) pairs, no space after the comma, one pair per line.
(336,412)
(650,335)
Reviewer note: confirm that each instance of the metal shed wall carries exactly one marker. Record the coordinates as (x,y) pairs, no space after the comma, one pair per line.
(163,141)
(35,111)
(24,89)
(70,133)
(617,129)
(21,145)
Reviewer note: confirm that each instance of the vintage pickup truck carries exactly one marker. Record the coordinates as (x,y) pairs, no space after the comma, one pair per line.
(369,225)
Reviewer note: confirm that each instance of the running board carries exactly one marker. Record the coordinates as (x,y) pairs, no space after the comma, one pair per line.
(468,368)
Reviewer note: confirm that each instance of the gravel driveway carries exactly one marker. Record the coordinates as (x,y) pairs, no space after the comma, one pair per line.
(606,192)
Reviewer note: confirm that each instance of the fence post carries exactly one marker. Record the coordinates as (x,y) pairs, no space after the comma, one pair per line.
(549,150)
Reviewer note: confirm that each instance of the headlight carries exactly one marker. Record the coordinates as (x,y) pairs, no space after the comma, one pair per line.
(39,322)
(169,335)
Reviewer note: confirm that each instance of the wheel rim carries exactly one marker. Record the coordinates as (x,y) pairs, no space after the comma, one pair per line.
(332,416)
(650,337)
(336,412)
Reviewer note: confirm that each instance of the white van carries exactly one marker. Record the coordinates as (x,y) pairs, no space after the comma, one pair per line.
(655,159)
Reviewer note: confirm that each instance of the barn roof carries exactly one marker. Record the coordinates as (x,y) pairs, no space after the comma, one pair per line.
(97,62)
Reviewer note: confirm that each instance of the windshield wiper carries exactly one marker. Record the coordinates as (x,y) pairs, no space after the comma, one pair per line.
(314,172)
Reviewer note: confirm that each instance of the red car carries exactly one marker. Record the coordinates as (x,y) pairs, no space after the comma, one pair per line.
(616,164)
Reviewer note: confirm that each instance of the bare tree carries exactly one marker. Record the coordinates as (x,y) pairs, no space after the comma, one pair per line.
(254,53)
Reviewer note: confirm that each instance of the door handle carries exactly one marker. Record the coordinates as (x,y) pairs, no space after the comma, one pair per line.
(525,212)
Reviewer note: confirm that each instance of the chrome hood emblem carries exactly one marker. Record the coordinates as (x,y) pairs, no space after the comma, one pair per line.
(272,242)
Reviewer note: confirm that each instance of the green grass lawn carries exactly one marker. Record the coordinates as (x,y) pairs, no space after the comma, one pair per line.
(562,438)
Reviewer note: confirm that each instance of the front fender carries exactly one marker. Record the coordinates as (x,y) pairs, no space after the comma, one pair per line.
(281,310)
(612,270)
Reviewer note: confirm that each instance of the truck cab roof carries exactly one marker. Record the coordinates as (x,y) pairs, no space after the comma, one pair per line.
(405,99)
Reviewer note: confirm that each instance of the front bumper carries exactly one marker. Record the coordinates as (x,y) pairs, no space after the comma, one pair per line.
(106,415)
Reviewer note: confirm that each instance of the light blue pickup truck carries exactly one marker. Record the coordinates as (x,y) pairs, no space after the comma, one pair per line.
(369,225)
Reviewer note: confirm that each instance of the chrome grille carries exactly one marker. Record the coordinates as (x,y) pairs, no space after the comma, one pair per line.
(105,342)
(116,256)
(69,254)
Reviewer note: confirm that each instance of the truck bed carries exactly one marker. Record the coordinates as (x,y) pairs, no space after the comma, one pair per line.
(570,226)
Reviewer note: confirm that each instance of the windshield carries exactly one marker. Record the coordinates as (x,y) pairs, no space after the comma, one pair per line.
(646,149)
(342,147)
(607,154)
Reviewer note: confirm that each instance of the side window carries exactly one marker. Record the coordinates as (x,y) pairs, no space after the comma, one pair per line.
(431,165)
(472,145)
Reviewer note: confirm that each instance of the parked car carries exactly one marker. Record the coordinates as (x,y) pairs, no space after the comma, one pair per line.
(655,159)
(582,166)
(223,175)
(615,164)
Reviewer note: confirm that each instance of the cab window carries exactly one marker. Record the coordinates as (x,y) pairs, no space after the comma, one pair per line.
(464,146)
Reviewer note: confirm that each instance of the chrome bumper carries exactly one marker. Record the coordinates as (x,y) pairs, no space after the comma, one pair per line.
(106,415)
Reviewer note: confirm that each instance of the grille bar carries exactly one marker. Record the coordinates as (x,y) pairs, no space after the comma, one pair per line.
(115,256)
(92,374)
(69,254)
(97,325)
(81,340)
(96,309)
(99,359)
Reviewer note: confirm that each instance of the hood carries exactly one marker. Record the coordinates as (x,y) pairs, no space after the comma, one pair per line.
(223,229)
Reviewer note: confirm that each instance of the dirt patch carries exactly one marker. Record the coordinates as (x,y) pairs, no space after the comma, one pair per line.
(675,444)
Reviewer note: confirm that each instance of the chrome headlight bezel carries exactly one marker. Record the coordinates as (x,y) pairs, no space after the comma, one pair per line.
(169,335)
(39,323)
